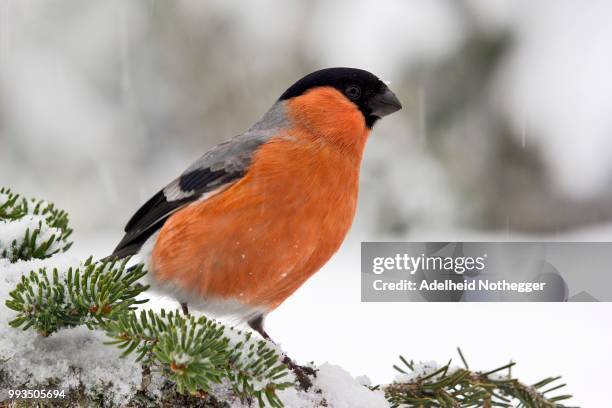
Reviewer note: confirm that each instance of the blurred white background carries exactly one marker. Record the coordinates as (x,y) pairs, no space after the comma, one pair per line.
(505,132)
(506,122)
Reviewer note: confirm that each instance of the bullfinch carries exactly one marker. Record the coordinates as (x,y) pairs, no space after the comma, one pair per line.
(252,219)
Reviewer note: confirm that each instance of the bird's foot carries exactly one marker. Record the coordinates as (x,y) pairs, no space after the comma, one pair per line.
(303,374)
(185,308)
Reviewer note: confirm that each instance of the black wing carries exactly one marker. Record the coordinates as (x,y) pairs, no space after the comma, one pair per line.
(154,213)
(224,164)
(219,167)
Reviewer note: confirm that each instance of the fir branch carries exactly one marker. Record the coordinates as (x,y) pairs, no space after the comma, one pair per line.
(196,353)
(46,231)
(85,295)
(461,387)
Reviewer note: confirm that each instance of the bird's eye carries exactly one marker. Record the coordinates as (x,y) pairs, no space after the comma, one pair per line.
(353,92)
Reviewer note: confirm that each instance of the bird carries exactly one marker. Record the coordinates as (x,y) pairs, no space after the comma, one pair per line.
(246,224)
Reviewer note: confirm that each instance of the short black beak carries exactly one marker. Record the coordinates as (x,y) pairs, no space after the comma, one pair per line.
(384,103)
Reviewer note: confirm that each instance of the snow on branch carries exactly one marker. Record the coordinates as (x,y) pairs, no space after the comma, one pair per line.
(31,228)
(85,295)
(197,353)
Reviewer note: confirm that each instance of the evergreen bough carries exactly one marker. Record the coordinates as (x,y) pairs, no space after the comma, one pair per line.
(85,295)
(197,352)
(49,234)
(194,353)
(461,387)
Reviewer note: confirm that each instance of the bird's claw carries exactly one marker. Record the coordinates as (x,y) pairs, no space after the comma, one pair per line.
(303,374)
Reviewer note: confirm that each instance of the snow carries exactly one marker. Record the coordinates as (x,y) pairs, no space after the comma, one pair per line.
(77,356)
(338,389)
(181,358)
(341,390)
(74,356)
(422,369)
(236,336)
(14,232)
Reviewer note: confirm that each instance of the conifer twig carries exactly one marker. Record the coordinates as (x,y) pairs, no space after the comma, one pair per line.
(47,232)
(460,387)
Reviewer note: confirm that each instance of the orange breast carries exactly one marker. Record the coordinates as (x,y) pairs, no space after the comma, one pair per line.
(263,237)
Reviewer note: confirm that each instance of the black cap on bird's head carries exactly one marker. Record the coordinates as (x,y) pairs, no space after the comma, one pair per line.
(371,95)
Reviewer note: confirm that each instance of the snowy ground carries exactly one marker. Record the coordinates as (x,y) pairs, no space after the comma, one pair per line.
(325,321)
